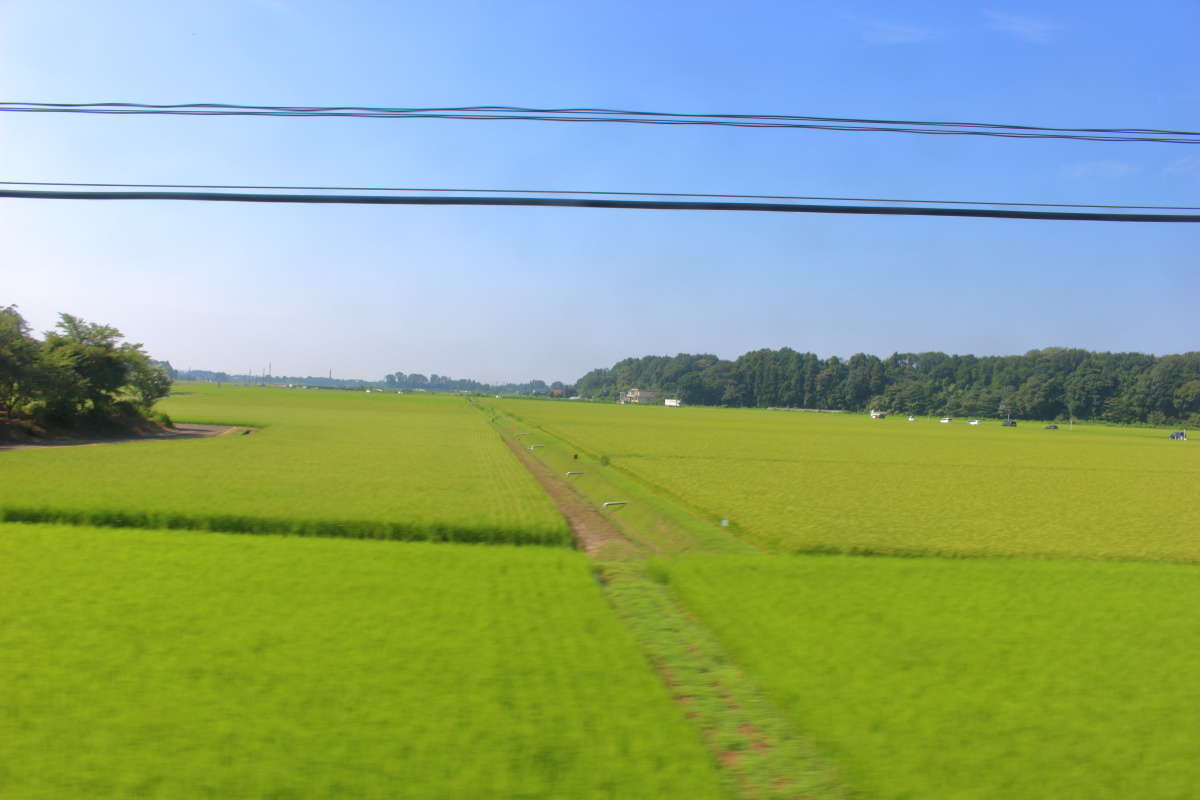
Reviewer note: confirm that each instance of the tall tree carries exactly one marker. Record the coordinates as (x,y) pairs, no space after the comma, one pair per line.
(19,353)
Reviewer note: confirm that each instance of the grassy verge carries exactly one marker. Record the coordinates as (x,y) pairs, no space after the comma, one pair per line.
(761,754)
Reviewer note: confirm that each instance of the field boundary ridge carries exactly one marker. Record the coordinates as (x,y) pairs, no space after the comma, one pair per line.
(323,528)
(866,551)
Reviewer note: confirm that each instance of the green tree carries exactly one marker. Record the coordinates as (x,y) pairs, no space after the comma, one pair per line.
(91,352)
(148,380)
(88,370)
(19,356)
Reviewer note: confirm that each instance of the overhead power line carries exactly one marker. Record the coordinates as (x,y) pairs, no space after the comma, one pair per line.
(619,116)
(478,191)
(577,202)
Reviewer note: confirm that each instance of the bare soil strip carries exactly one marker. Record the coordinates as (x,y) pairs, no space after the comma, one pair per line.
(760,756)
(596,534)
(180,431)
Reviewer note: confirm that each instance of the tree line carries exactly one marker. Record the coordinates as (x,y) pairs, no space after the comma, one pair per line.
(81,375)
(1052,383)
(396,381)
(444,383)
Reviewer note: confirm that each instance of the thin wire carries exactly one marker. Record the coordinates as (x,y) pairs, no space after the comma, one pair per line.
(840,124)
(594,193)
(606,111)
(563,202)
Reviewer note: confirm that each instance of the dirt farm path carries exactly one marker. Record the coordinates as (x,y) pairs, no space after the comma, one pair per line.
(596,534)
(755,748)
(181,431)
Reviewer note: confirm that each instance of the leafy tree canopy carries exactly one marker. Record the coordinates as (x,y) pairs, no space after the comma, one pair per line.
(80,372)
(1052,383)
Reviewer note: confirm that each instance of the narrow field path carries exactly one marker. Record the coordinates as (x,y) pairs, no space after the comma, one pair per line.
(183,430)
(596,534)
(760,755)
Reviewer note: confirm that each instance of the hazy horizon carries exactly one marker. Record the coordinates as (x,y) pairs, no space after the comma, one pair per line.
(277,374)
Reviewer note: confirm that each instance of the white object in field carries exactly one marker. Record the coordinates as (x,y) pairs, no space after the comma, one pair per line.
(615,503)
(673,402)
(724,523)
(533,446)
(912,419)
(637,396)
(574,473)
(877,414)
(946,419)
(973,422)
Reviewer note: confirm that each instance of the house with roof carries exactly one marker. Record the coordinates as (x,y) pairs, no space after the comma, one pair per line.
(637,396)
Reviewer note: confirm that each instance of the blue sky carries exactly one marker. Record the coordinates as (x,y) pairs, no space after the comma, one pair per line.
(501,294)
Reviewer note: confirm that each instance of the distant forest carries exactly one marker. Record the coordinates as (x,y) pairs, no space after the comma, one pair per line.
(442,383)
(1054,383)
(397,380)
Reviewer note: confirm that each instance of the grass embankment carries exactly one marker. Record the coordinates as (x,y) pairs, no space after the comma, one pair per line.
(804,483)
(322,464)
(160,665)
(934,678)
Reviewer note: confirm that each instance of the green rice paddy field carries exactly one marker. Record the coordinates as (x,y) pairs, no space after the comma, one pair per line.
(802,482)
(159,664)
(339,463)
(180,664)
(955,678)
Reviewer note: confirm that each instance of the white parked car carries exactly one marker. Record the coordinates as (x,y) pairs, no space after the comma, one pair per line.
(973,422)
(946,419)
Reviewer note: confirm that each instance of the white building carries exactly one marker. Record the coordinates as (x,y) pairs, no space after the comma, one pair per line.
(637,396)
(673,402)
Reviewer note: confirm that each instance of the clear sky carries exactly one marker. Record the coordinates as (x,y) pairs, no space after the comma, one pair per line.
(500,294)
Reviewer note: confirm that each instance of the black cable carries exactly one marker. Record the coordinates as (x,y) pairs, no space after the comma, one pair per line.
(841,124)
(606,111)
(561,202)
(581,192)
